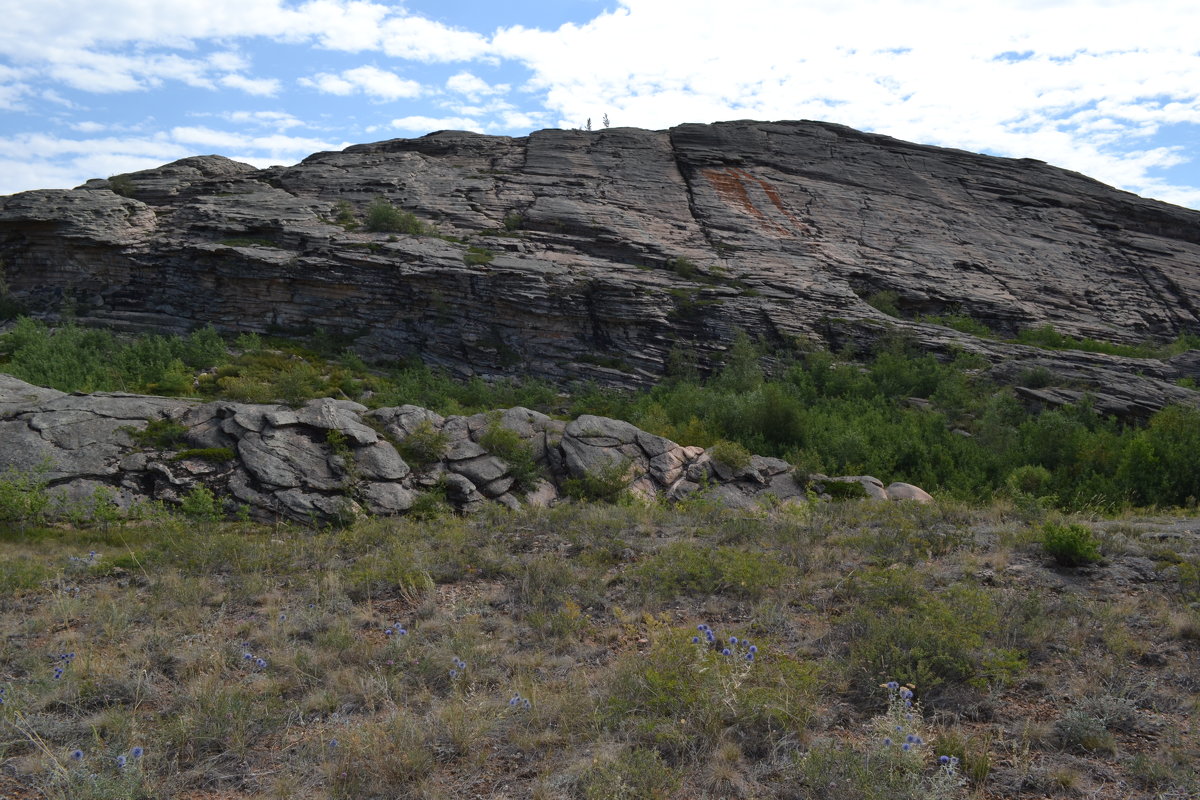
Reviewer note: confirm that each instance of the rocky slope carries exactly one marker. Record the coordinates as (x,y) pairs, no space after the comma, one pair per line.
(597,253)
(334,459)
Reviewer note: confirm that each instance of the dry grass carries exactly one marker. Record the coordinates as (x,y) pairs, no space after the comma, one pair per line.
(549,654)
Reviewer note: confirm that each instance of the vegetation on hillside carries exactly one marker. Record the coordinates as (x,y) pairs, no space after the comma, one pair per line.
(900,414)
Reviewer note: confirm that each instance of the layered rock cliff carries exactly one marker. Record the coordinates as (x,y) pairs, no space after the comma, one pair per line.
(591,255)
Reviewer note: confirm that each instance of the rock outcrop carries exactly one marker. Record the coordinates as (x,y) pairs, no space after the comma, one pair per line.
(591,255)
(335,459)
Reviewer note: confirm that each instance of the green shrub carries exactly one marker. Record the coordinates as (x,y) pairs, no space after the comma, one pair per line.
(685,695)
(424,445)
(213,455)
(1030,480)
(609,484)
(731,454)
(24,495)
(886,301)
(845,490)
(383,217)
(477,256)
(160,434)
(200,504)
(687,568)
(1070,545)
(343,214)
(430,504)
(937,641)
(635,774)
(122,185)
(515,451)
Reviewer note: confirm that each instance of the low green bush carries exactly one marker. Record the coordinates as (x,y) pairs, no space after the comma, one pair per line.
(213,455)
(1071,545)
(694,569)
(731,454)
(942,642)
(608,485)
(689,691)
(515,451)
(201,504)
(160,434)
(633,774)
(24,495)
(478,256)
(424,445)
(383,217)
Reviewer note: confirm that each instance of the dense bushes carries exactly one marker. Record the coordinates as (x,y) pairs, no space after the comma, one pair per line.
(906,416)
(89,360)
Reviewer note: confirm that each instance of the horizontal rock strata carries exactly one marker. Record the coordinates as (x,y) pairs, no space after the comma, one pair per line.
(597,253)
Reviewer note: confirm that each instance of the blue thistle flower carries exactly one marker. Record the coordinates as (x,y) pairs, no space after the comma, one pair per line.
(943,760)
(753,648)
(282,617)
(247,656)
(887,742)
(261,663)
(528,705)
(701,627)
(453,674)
(402,631)
(733,640)
(138,752)
(695,640)
(387,631)
(892,685)
(121,762)
(333,743)
(910,739)
(749,656)
(726,651)
(516,698)
(906,746)
(77,755)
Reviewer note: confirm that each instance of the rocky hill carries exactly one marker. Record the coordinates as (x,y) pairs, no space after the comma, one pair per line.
(593,255)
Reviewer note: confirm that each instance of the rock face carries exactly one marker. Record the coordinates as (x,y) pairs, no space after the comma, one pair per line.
(334,459)
(596,253)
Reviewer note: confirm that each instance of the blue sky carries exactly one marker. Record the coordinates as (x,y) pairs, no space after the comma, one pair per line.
(1109,88)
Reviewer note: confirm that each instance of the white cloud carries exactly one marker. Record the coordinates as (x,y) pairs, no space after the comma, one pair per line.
(89,126)
(279,120)
(423,125)
(473,87)
(424,40)
(371,81)
(45,161)
(924,70)
(257,86)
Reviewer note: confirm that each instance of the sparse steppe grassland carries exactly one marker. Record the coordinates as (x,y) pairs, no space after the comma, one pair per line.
(550,654)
